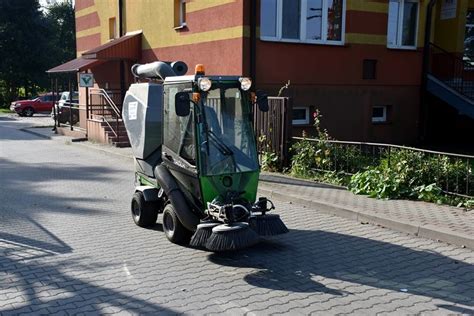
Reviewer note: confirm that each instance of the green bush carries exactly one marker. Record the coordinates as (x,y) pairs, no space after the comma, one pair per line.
(386,174)
(413,175)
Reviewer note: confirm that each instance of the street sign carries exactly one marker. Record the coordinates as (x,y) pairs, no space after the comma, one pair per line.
(86,80)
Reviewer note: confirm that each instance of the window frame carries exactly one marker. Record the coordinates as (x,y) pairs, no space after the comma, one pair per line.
(401,6)
(180,14)
(302,25)
(299,121)
(469,10)
(383,118)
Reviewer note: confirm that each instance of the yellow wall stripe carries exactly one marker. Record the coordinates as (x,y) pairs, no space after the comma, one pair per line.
(357,38)
(367,6)
(202,5)
(217,35)
(90,31)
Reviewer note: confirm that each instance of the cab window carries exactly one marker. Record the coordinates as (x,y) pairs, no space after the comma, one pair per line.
(178,133)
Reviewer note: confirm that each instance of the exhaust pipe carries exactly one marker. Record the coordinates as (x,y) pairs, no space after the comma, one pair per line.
(159,69)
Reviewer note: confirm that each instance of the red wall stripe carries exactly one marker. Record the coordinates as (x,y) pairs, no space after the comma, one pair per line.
(82,4)
(87,42)
(87,21)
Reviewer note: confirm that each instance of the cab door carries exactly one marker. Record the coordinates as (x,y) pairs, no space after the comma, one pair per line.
(179,144)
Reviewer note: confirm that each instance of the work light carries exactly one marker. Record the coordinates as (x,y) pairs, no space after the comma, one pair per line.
(204,84)
(245,83)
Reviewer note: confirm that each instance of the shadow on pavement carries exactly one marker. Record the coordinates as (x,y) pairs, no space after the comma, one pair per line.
(291,263)
(28,191)
(38,237)
(29,279)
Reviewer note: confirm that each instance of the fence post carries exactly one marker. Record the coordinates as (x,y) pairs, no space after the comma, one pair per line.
(467,175)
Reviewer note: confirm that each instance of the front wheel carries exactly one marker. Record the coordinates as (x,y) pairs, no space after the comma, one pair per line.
(29,112)
(144,213)
(173,228)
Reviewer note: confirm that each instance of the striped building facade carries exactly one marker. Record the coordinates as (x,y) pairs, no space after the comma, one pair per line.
(358,61)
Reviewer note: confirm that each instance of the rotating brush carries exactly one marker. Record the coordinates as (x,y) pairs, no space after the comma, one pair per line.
(231,237)
(202,234)
(267,224)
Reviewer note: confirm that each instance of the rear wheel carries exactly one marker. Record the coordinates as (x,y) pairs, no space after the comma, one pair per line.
(173,228)
(144,213)
(28,111)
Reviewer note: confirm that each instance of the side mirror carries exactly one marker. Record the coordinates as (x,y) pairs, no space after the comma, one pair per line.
(262,101)
(182,103)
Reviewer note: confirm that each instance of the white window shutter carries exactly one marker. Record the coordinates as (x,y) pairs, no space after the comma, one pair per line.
(392,29)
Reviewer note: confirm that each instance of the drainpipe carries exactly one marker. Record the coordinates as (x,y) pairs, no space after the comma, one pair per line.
(253,41)
(122,62)
(424,71)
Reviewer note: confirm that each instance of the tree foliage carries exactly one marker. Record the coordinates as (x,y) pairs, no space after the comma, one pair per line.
(31,42)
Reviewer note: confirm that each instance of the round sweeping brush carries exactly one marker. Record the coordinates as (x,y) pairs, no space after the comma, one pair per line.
(231,237)
(203,232)
(267,225)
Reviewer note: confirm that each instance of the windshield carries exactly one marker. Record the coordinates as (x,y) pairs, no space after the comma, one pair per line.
(227,139)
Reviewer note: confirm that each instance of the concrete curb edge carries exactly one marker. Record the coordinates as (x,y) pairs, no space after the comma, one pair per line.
(417,229)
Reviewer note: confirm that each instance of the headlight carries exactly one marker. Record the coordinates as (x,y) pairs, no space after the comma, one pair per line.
(204,84)
(17,105)
(245,83)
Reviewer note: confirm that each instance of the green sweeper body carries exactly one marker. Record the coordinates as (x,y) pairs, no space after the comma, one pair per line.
(196,158)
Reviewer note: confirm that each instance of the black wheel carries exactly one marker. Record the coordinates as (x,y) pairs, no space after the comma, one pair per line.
(28,112)
(75,118)
(174,230)
(144,213)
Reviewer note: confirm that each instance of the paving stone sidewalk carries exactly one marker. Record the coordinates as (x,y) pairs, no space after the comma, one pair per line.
(450,224)
(439,222)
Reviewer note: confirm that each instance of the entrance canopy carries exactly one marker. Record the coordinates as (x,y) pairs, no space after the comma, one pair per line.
(74,65)
(127,47)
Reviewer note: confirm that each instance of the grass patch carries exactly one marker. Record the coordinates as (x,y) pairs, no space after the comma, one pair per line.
(6,111)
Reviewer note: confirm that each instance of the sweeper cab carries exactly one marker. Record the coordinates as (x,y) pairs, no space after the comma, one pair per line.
(196,158)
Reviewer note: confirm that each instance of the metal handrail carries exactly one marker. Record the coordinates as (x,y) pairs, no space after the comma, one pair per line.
(447,53)
(451,70)
(113,106)
(111,103)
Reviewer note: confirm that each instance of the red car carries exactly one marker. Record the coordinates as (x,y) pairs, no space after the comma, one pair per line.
(43,103)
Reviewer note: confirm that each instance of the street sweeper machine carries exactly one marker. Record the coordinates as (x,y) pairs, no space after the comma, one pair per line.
(196,158)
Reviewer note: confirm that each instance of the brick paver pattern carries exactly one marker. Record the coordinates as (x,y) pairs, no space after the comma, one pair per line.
(68,246)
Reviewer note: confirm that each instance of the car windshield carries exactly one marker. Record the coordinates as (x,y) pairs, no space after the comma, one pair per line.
(228,142)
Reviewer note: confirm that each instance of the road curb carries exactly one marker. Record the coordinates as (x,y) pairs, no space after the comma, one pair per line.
(417,229)
(29,131)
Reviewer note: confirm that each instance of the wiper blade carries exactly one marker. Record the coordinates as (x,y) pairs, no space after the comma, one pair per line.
(220,145)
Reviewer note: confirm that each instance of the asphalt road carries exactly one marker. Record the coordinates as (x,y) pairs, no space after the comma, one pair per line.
(68,245)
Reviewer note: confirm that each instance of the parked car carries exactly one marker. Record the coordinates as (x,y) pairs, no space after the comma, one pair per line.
(41,104)
(63,108)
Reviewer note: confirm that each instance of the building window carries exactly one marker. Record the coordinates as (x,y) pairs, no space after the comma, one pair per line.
(469,35)
(300,115)
(179,14)
(303,21)
(112,28)
(402,24)
(379,114)
(369,69)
